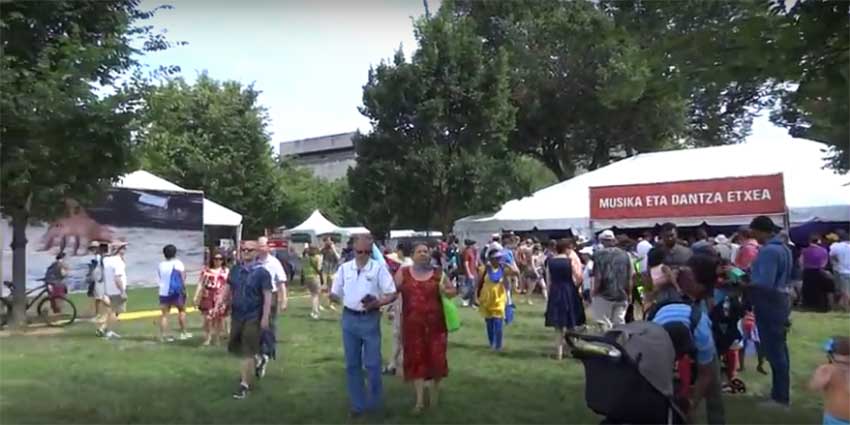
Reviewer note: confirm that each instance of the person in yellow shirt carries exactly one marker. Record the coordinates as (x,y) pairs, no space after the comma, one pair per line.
(493,288)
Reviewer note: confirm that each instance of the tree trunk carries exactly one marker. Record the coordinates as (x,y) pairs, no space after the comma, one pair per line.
(19,270)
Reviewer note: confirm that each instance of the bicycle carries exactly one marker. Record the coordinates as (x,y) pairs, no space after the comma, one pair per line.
(55,310)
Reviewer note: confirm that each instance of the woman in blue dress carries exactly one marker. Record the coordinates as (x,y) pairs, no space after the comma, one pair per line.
(564,309)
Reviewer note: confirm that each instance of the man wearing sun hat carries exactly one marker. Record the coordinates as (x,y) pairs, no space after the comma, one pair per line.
(770,294)
(612,282)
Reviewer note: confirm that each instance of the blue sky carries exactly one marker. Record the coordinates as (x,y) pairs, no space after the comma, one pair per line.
(310,59)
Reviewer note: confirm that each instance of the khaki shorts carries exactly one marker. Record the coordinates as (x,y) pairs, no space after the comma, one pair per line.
(244,338)
(117,303)
(312,284)
(842,283)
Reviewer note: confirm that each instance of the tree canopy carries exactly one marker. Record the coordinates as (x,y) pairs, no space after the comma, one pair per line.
(212,135)
(62,135)
(584,91)
(440,125)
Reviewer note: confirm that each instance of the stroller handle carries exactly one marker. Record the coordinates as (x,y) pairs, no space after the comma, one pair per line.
(601,345)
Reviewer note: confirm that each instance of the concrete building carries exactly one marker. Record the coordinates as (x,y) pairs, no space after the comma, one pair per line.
(329,157)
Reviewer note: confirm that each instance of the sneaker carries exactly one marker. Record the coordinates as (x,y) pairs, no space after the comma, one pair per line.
(260,369)
(314,316)
(332,307)
(166,339)
(112,335)
(465,303)
(321,308)
(99,333)
(241,393)
(185,335)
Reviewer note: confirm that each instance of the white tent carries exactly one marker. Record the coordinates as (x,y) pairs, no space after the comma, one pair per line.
(812,193)
(214,214)
(314,226)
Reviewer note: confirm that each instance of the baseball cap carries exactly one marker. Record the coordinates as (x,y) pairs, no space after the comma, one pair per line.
(495,253)
(763,223)
(607,235)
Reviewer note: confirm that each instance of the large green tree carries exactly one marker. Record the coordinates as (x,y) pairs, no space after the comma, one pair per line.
(440,124)
(584,90)
(211,136)
(732,60)
(63,135)
(814,63)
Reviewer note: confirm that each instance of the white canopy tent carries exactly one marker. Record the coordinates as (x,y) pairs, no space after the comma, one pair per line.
(812,193)
(214,214)
(314,226)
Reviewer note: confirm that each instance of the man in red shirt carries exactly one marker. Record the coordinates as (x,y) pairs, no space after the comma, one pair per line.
(469,272)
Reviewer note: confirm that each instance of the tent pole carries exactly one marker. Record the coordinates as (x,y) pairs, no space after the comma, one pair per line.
(238,237)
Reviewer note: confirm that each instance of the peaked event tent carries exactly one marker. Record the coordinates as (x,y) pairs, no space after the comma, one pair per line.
(316,225)
(214,214)
(812,193)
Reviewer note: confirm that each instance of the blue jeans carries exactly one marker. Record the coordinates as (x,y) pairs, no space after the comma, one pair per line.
(772,309)
(495,326)
(468,288)
(361,340)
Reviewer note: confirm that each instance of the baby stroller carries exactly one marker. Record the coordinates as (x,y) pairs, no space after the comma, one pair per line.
(725,317)
(629,374)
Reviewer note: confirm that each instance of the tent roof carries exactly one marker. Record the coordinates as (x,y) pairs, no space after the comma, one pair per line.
(811,191)
(316,224)
(214,214)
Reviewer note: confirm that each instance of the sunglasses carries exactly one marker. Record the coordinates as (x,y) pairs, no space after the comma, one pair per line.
(364,252)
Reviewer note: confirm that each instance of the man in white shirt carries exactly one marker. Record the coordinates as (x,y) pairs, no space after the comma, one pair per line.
(278,273)
(115,285)
(839,253)
(363,286)
(279,293)
(167,299)
(643,248)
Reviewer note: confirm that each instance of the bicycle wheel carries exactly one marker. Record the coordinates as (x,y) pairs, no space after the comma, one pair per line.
(57,311)
(5,312)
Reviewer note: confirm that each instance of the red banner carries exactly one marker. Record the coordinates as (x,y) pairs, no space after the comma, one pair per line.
(697,198)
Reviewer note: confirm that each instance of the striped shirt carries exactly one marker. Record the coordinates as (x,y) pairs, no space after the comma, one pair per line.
(703,339)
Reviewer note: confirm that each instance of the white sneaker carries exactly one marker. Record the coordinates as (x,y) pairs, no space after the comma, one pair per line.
(332,307)
(321,308)
(185,335)
(314,316)
(111,335)
(465,303)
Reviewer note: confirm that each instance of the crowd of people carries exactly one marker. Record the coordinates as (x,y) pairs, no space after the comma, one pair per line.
(586,286)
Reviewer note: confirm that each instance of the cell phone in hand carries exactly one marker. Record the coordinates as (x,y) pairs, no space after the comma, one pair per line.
(367,299)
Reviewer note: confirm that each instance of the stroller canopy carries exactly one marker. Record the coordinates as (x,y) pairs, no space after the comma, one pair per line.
(649,345)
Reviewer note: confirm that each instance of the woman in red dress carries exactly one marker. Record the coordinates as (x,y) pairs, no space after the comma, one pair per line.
(208,298)
(423,325)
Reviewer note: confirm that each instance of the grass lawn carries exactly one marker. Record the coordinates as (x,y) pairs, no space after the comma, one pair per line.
(73,377)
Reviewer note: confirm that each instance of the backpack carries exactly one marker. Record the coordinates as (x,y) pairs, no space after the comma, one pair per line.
(53,273)
(175,284)
(95,273)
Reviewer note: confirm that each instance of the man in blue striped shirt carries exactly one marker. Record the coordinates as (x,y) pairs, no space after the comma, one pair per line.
(697,281)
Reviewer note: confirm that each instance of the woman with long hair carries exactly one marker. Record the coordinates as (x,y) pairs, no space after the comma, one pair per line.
(423,324)
(208,297)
